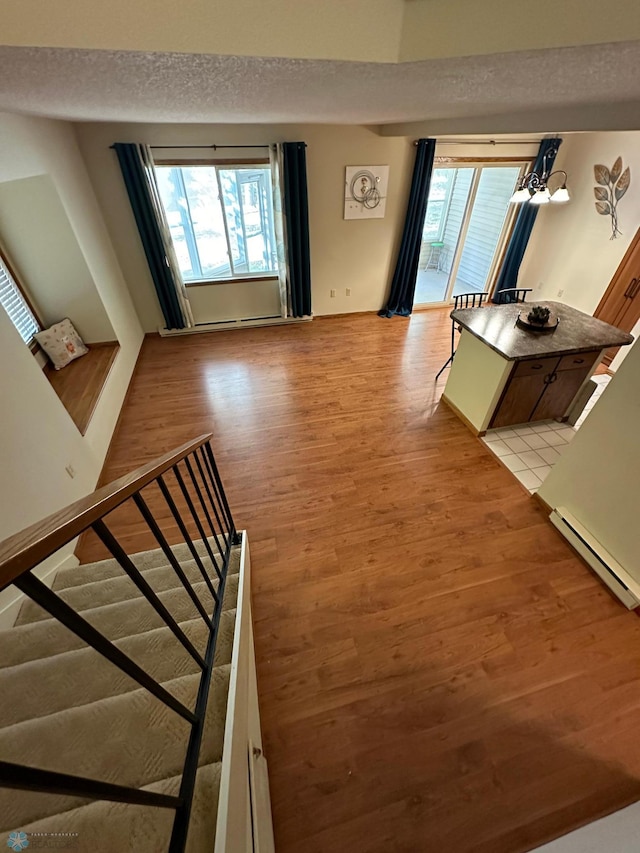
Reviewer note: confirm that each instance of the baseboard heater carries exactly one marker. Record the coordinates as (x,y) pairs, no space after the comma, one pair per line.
(221,325)
(600,560)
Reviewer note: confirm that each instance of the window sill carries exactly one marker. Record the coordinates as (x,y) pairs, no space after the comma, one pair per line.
(244,279)
(79,384)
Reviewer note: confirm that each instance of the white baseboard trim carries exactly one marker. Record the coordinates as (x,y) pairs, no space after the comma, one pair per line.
(225,325)
(11,599)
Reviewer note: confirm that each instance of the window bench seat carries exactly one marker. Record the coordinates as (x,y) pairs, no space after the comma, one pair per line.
(79,384)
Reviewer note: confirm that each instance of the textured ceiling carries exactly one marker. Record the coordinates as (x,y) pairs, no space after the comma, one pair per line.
(87,85)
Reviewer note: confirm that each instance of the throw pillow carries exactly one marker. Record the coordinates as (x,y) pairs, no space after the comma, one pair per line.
(62,343)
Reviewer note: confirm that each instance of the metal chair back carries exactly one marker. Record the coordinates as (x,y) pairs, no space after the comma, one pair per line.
(469,300)
(511,295)
(462,300)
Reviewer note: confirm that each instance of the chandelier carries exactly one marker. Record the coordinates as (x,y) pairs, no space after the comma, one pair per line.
(534,187)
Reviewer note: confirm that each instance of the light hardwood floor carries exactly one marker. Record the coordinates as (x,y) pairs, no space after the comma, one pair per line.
(437,670)
(80,383)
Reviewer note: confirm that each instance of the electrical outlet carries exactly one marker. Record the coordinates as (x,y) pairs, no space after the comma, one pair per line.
(561,291)
(332,293)
(71,471)
(540,285)
(348,291)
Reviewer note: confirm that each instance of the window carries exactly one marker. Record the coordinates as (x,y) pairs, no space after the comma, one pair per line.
(16,305)
(466,224)
(439,201)
(221,220)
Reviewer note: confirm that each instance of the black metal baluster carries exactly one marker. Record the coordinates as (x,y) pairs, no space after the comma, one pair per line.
(205,479)
(196,518)
(171,557)
(22,778)
(187,785)
(30,585)
(219,519)
(217,487)
(108,539)
(232,528)
(203,504)
(185,535)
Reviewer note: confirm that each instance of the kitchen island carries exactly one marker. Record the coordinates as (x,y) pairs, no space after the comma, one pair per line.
(504,374)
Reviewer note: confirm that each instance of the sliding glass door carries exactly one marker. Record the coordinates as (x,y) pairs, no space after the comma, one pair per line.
(467,218)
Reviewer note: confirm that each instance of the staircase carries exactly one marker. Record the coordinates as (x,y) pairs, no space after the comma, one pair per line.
(116,684)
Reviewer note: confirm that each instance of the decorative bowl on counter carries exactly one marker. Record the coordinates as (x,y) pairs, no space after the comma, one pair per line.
(538,319)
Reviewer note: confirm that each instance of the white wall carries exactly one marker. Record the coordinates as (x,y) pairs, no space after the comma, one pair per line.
(240,300)
(37,436)
(332,29)
(597,476)
(623,352)
(365,30)
(467,27)
(354,254)
(44,252)
(570,249)
(37,440)
(359,255)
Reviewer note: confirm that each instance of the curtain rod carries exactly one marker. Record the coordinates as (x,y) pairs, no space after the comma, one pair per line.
(485,141)
(214,147)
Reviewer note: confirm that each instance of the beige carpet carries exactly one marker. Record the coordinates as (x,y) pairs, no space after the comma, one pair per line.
(64,707)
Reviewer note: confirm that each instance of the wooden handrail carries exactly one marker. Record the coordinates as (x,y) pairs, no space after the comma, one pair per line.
(31,546)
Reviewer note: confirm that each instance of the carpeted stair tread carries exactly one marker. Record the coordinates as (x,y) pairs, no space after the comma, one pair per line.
(49,637)
(145,560)
(104,827)
(140,741)
(71,679)
(120,588)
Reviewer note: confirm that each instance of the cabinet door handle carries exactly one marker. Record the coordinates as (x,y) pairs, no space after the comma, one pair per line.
(550,378)
(635,290)
(629,292)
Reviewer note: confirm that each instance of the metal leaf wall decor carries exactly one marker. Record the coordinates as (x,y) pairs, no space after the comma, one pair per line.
(612,185)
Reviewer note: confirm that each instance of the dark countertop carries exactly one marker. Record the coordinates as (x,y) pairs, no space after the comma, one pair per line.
(495,325)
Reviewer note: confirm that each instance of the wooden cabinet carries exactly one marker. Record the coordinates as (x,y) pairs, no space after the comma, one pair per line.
(542,389)
(523,391)
(620,305)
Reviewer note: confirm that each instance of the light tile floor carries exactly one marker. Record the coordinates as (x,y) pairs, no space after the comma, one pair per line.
(530,451)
